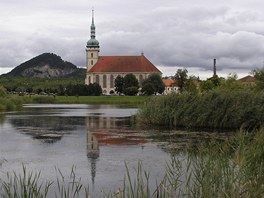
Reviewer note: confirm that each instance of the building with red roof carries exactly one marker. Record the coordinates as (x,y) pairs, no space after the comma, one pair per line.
(170,86)
(104,69)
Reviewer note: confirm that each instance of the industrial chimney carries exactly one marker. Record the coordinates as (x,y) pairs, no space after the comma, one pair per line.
(214,68)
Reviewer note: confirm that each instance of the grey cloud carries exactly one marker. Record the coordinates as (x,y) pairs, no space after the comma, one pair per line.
(171,33)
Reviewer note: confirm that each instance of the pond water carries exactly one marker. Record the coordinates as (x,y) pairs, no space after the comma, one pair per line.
(96,139)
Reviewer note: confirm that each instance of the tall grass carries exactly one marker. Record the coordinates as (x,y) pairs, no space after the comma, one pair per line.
(11,103)
(29,185)
(214,109)
(233,168)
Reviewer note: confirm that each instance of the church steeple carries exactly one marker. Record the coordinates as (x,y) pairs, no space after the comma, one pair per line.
(92,49)
(92,42)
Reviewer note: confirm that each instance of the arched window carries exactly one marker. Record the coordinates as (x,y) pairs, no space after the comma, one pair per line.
(91,62)
(92,55)
(89,80)
(140,80)
(104,81)
(111,81)
(97,79)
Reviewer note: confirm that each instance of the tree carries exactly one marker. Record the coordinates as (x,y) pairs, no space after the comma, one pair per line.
(181,77)
(119,82)
(95,89)
(130,85)
(153,85)
(206,85)
(259,75)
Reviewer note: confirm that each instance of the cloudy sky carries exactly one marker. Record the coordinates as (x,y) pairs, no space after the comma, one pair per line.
(172,33)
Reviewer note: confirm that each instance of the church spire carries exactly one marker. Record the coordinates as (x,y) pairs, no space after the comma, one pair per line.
(92,26)
(92,42)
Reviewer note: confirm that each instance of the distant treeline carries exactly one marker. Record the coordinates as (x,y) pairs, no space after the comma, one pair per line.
(59,86)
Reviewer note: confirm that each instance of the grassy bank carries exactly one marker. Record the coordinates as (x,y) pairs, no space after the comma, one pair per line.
(11,103)
(130,100)
(214,109)
(233,168)
(118,100)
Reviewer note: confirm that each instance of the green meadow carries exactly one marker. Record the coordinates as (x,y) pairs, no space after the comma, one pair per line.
(116,100)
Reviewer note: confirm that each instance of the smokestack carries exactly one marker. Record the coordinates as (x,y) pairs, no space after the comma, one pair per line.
(214,67)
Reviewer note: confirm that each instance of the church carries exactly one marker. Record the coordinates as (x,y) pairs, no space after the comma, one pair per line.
(104,69)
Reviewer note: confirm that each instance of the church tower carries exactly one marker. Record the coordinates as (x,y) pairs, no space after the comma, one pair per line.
(92,48)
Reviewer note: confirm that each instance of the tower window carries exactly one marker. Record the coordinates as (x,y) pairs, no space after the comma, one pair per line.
(92,55)
(91,62)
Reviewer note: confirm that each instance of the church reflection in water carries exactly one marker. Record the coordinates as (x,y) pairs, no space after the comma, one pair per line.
(109,131)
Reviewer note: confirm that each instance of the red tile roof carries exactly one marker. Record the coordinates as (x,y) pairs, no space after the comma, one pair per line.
(168,82)
(123,64)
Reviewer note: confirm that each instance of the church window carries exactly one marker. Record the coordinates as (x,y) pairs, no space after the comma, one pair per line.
(104,81)
(92,55)
(111,81)
(140,80)
(89,81)
(91,62)
(97,79)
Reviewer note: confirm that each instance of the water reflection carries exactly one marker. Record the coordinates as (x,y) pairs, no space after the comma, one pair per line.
(108,131)
(44,128)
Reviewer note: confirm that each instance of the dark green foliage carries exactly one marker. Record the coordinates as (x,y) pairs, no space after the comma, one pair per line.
(84,90)
(37,85)
(153,85)
(206,85)
(181,77)
(130,85)
(215,109)
(119,82)
(259,75)
(131,91)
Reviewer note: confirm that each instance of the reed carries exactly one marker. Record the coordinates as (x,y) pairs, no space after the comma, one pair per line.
(217,109)
(233,168)
(11,103)
(29,185)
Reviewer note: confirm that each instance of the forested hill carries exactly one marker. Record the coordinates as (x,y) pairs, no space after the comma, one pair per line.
(47,65)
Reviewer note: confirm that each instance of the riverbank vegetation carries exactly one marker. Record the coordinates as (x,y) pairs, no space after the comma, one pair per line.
(232,168)
(115,100)
(9,102)
(214,109)
(216,104)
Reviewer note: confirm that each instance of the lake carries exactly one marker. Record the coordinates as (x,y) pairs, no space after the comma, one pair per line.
(96,139)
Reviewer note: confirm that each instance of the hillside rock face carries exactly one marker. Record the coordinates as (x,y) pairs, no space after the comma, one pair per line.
(46,65)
